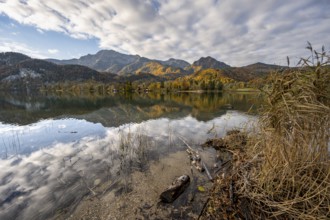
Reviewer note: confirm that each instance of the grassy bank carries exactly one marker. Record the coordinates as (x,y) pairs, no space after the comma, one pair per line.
(282,171)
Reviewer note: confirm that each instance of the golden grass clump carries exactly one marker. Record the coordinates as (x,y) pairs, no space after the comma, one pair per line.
(293,179)
(284,172)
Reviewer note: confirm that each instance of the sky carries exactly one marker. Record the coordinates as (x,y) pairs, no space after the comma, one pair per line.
(237,32)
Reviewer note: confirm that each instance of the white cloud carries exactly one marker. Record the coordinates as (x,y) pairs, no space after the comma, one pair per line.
(9,45)
(40,31)
(53,51)
(237,32)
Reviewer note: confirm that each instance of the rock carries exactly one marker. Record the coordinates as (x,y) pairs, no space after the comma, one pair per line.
(175,189)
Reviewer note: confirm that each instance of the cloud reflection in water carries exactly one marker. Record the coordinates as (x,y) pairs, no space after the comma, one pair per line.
(59,161)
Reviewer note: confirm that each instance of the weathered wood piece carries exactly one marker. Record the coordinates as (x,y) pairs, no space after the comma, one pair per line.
(177,187)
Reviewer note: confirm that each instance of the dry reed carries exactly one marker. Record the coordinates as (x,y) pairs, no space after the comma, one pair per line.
(284,171)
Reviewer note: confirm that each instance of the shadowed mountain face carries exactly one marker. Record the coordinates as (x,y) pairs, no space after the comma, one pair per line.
(210,62)
(252,71)
(11,58)
(176,63)
(18,71)
(104,60)
(262,67)
(206,63)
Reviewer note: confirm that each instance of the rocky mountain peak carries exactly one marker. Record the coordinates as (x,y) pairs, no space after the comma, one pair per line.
(176,63)
(210,62)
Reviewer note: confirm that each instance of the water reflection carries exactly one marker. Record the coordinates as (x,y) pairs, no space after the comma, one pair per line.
(51,177)
(116,110)
(21,140)
(54,150)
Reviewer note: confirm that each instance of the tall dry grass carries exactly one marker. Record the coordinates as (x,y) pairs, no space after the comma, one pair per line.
(286,173)
(283,170)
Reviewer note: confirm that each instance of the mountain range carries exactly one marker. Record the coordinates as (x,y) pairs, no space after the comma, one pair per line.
(120,64)
(123,64)
(111,66)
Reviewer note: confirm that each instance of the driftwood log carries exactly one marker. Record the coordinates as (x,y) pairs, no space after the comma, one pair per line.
(177,187)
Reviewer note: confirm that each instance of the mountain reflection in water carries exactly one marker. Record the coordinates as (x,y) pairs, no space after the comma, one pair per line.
(49,165)
(119,109)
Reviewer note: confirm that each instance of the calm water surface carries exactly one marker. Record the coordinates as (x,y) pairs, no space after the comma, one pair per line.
(56,150)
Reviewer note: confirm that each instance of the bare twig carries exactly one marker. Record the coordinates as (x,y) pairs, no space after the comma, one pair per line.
(203,209)
(207,171)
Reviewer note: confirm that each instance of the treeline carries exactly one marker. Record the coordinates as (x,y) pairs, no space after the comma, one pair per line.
(92,86)
(205,80)
(129,86)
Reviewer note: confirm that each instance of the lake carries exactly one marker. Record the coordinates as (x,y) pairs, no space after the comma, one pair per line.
(69,157)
